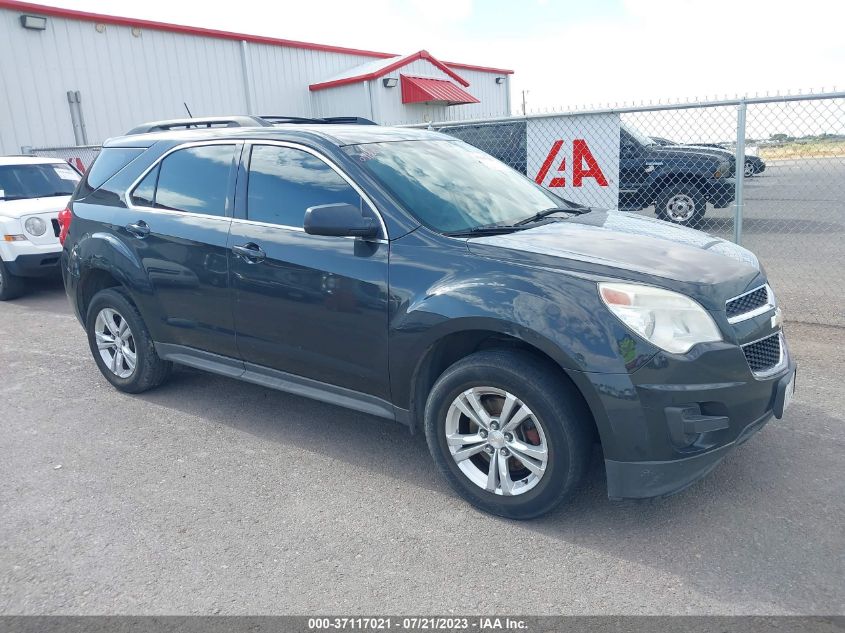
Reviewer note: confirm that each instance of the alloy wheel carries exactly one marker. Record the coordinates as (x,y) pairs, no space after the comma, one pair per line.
(496,441)
(748,169)
(115,342)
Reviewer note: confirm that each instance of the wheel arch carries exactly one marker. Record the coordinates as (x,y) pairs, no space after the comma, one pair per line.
(676,178)
(450,347)
(92,281)
(101,260)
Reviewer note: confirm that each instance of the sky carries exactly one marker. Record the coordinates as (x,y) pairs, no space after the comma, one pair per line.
(564,53)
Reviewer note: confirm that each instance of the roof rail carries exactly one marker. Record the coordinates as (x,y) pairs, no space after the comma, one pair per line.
(280,119)
(199,123)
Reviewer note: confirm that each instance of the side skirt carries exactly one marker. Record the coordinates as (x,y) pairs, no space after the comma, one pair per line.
(281,381)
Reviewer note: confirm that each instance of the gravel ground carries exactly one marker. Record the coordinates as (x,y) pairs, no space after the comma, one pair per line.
(214,496)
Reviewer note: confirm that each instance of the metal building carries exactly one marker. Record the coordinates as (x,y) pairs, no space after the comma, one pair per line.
(72,78)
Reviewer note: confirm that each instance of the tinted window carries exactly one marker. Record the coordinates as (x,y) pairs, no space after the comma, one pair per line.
(195,179)
(506,141)
(284,182)
(37,180)
(110,161)
(452,186)
(144,194)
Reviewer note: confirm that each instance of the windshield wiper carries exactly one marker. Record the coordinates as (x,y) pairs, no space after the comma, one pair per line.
(576,209)
(493,229)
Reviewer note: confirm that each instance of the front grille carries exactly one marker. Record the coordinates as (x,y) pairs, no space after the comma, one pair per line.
(764,354)
(747,302)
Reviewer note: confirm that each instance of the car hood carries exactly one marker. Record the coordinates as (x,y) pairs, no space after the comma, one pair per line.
(33,206)
(626,246)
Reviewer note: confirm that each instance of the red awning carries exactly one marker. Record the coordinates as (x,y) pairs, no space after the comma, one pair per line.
(423,89)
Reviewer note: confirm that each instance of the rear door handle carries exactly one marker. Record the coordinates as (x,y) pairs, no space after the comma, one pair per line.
(251,252)
(140,229)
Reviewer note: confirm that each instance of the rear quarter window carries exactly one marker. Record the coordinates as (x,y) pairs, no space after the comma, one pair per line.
(110,161)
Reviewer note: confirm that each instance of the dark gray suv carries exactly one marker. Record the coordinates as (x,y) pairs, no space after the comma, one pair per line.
(406,274)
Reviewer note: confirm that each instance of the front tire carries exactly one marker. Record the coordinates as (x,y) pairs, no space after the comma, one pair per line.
(510,435)
(121,344)
(11,286)
(681,204)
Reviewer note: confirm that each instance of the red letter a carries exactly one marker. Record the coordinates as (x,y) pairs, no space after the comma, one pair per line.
(581,154)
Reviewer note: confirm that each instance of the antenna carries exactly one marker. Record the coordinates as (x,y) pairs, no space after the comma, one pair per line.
(188,109)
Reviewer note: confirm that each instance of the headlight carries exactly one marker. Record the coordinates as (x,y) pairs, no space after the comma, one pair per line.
(35,226)
(723,170)
(670,320)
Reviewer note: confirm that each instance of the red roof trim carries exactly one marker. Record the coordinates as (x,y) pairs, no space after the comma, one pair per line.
(483,69)
(399,63)
(178,28)
(72,14)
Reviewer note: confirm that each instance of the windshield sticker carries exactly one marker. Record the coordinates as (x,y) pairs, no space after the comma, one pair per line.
(66,173)
(364,153)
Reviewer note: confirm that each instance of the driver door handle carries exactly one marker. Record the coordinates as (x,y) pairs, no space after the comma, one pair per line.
(139,229)
(251,252)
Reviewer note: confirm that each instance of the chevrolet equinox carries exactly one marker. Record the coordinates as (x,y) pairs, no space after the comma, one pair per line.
(406,274)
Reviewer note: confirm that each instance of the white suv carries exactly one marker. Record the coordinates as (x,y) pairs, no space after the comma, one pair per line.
(32,193)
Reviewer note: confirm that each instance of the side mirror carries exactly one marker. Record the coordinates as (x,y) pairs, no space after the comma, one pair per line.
(339,220)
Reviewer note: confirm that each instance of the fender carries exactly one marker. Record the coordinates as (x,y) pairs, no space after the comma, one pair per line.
(103,251)
(560,315)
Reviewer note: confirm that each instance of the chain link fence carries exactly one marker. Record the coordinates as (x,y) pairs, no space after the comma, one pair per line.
(678,162)
(80,156)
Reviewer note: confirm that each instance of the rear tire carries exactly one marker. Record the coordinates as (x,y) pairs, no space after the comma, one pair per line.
(539,462)
(121,344)
(11,286)
(681,204)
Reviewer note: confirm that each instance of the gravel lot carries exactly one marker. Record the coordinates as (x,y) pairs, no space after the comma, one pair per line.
(214,496)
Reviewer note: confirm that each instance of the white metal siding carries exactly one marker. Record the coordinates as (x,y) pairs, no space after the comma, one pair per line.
(280,76)
(387,102)
(348,100)
(125,80)
(482,86)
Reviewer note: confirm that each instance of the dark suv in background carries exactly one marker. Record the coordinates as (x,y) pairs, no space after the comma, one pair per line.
(406,274)
(752,166)
(678,181)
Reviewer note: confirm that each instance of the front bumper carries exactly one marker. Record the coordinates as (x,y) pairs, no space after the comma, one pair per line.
(35,264)
(671,422)
(642,480)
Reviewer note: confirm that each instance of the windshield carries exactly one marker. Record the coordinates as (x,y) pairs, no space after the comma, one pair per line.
(641,138)
(18,182)
(451,186)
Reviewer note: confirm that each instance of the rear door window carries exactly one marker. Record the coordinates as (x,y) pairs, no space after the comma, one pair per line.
(193,180)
